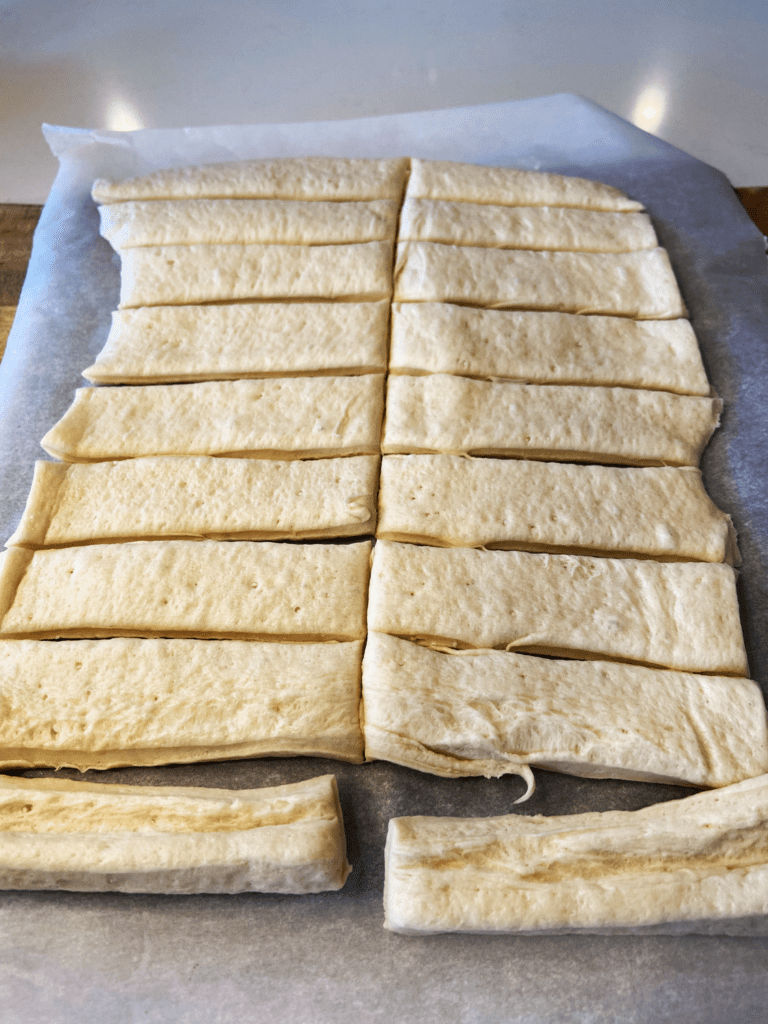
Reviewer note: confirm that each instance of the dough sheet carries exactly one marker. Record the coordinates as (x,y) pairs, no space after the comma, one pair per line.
(333,179)
(294,417)
(108,703)
(162,275)
(491,712)
(680,615)
(205,589)
(641,285)
(221,499)
(524,227)
(457,415)
(245,222)
(546,348)
(156,344)
(450,501)
(510,186)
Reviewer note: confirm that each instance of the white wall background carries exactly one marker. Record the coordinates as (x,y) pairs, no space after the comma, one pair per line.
(170,63)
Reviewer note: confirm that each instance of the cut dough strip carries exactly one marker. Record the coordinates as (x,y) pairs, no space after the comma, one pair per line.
(489,713)
(221,499)
(690,865)
(547,348)
(334,179)
(509,186)
(294,418)
(107,703)
(681,615)
(524,227)
(90,837)
(449,501)
(246,221)
(162,275)
(457,415)
(205,589)
(636,284)
(156,344)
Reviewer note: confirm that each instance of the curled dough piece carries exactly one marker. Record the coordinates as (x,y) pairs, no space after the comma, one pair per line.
(89,837)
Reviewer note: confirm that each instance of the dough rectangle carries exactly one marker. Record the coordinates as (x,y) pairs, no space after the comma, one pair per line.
(510,186)
(333,179)
(186,588)
(163,275)
(158,344)
(219,499)
(662,513)
(681,615)
(692,865)
(524,227)
(280,418)
(90,837)
(636,284)
(246,222)
(626,426)
(107,703)
(546,348)
(491,712)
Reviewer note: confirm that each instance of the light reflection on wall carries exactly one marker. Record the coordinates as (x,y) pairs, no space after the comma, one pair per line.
(650,108)
(122,117)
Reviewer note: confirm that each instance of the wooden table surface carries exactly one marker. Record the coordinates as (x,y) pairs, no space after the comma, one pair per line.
(18,222)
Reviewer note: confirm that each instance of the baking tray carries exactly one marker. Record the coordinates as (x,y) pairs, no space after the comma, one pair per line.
(326,958)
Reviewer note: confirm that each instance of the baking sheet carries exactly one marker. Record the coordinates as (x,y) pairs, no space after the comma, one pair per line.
(326,958)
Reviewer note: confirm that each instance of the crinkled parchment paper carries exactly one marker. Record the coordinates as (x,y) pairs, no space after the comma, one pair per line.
(69,956)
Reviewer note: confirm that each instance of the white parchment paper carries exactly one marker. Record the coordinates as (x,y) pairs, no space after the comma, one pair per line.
(326,958)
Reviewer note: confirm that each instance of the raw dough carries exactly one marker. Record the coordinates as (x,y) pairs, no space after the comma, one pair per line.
(106,703)
(636,284)
(221,499)
(89,837)
(161,275)
(510,186)
(489,713)
(697,862)
(546,348)
(251,339)
(456,415)
(205,589)
(524,227)
(681,615)
(246,221)
(294,417)
(312,178)
(450,501)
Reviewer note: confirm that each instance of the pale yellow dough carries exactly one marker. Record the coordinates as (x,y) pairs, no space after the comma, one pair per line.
(449,501)
(289,418)
(681,615)
(246,221)
(90,837)
(489,713)
(162,275)
(206,589)
(524,227)
(510,186)
(156,344)
(636,284)
(696,863)
(333,179)
(221,499)
(546,348)
(457,415)
(106,703)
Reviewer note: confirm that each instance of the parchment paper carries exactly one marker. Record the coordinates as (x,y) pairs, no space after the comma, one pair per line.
(68,957)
